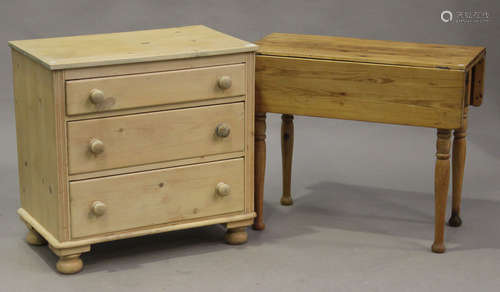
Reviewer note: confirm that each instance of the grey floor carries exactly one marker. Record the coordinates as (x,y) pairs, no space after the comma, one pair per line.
(362,221)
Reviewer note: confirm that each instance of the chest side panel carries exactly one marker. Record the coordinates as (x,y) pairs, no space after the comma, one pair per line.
(36,141)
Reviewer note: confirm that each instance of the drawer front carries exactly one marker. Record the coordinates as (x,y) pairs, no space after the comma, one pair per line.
(114,142)
(140,90)
(156,197)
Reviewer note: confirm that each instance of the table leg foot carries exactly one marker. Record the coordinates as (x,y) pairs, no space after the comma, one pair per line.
(259,226)
(455,220)
(438,248)
(286,201)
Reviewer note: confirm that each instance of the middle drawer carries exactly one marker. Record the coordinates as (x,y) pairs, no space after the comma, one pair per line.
(114,142)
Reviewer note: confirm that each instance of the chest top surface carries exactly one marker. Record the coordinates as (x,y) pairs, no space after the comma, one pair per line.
(369,51)
(130,47)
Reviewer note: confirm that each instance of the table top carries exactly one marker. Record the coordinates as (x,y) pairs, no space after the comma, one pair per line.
(370,51)
(130,47)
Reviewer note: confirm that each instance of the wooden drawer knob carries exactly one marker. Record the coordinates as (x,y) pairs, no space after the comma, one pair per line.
(223,189)
(225,82)
(96,146)
(96,96)
(222,130)
(98,208)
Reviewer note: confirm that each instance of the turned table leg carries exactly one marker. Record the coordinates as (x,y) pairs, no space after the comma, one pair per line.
(286,156)
(260,168)
(458,162)
(441,184)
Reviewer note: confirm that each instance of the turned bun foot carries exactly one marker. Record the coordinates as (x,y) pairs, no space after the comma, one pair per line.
(236,235)
(455,221)
(34,238)
(69,264)
(438,248)
(286,201)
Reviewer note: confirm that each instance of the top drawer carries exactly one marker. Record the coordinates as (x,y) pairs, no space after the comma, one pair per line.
(150,89)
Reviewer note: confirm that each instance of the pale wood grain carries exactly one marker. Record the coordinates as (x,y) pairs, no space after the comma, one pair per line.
(156,197)
(185,120)
(157,165)
(359,91)
(66,251)
(156,108)
(150,89)
(62,153)
(155,66)
(155,137)
(69,259)
(369,51)
(37,142)
(69,264)
(241,223)
(131,47)
(147,230)
(249,132)
(236,236)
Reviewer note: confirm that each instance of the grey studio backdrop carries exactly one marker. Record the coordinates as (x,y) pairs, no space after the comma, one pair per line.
(363,213)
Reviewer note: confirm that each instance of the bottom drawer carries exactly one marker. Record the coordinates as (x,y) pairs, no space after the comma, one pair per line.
(154,197)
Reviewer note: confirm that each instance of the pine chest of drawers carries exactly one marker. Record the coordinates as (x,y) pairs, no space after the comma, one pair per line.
(127,134)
